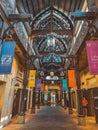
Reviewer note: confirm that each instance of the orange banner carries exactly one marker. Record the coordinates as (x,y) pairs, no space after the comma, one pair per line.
(32,78)
(42,87)
(71,78)
(46,87)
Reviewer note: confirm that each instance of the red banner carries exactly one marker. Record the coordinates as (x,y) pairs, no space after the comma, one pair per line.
(71,78)
(61,88)
(92,53)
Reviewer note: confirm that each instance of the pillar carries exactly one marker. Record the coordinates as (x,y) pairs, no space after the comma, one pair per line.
(81,117)
(22,108)
(57,97)
(61,96)
(38,105)
(28,99)
(42,99)
(65,104)
(33,100)
(70,110)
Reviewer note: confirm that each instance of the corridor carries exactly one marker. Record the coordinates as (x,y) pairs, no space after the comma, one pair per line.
(51,118)
(48,56)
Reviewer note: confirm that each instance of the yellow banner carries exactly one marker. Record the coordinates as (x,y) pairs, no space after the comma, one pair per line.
(32,78)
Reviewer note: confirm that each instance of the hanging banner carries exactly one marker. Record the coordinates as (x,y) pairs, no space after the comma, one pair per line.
(46,87)
(6,57)
(71,78)
(61,88)
(38,84)
(92,54)
(32,78)
(64,85)
(42,87)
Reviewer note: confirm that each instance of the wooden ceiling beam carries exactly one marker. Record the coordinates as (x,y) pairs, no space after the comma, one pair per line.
(29,5)
(20,17)
(44,3)
(35,33)
(83,15)
(38,5)
(64,5)
(69,10)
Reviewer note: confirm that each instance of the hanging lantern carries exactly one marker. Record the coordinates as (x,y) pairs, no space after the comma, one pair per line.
(51,41)
(51,73)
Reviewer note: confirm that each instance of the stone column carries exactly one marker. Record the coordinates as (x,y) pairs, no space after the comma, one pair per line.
(38,105)
(70,110)
(65,105)
(79,91)
(61,96)
(28,100)
(57,97)
(42,99)
(81,117)
(22,108)
(33,100)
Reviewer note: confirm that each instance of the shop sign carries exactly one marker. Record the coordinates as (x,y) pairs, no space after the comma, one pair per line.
(6,57)
(92,54)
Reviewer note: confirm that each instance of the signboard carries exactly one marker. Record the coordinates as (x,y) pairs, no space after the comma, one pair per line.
(71,78)
(64,85)
(32,78)
(92,53)
(6,57)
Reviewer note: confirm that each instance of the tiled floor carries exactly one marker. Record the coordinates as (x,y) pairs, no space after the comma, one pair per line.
(52,118)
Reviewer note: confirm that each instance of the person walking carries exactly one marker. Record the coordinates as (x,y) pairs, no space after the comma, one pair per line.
(84,104)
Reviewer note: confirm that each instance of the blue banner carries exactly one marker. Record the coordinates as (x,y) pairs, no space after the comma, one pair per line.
(64,85)
(38,85)
(6,57)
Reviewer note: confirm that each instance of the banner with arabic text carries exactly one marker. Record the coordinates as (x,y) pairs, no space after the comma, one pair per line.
(32,78)
(92,54)
(64,85)
(6,57)
(71,78)
(38,84)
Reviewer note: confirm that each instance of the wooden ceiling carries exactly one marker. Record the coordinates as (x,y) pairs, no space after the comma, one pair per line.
(36,6)
(50,17)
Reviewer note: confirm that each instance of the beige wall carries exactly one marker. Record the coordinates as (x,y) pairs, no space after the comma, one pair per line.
(90,81)
(2,92)
(10,81)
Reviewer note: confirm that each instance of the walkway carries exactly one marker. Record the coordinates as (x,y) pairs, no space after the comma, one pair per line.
(51,118)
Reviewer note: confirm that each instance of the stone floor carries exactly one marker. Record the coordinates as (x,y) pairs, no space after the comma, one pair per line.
(52,118)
